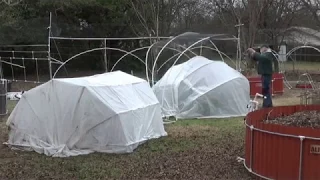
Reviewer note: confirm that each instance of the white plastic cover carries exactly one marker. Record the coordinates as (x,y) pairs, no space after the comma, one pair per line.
(202,88)
(111,112)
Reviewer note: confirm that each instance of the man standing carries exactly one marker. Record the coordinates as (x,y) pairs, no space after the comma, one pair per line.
(265,63)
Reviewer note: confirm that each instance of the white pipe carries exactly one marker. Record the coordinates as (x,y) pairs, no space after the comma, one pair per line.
(49,45)
(152,78)
(206,47)
(91,50)
(33,45)
(101,39)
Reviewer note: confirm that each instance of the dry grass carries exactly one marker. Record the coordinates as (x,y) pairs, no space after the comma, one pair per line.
(191,131)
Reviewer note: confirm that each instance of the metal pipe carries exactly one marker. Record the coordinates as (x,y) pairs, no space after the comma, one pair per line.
(280,134)
(33,45)
(256,174)
(24,70)
(12,71)
(251,148)
(105,55)
(101,39)
(92,50)
(20,58)
(49,45)
(25,51)
(301,156)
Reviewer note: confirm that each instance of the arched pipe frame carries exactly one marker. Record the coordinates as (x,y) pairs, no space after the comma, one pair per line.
(92,50)
(191,47)
(289,54)
(146,47)
(107,48)
(132,52)
(210,38)
(201,47)
(50,38)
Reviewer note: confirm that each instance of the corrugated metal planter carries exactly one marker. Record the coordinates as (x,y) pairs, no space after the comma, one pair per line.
(281,152)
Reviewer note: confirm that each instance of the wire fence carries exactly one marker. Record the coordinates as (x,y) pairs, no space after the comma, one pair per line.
(27,63)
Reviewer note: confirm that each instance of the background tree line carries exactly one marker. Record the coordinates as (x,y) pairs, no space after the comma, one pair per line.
(264,22)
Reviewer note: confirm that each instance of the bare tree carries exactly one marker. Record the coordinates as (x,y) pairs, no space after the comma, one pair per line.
(245,11)
(264,20)
(155,17)
(276,19)
(313,6)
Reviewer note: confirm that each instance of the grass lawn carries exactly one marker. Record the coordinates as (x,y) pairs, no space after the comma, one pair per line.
(288,66)
(193,149)
(300,65)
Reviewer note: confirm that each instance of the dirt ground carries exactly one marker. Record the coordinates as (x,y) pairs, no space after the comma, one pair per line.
(194,149)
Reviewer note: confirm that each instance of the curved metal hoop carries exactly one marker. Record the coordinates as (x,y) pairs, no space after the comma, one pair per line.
(188,48)
(147,55)
(301,47)
(205,47)
(121,58)
(174,38)
(91,50)
(173,98)
(129,53)
(297,48)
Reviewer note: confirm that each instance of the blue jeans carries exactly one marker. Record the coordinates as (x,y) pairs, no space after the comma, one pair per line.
(266,83)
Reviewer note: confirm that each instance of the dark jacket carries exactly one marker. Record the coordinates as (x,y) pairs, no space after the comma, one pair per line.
(265,63)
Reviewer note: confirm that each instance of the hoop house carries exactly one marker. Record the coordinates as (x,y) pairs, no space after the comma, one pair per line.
(112,112)
(201,88)
(176,50)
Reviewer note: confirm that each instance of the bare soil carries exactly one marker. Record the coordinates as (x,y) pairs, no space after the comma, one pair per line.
(299,119)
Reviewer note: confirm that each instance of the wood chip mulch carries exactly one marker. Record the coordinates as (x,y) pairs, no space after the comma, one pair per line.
(309,119)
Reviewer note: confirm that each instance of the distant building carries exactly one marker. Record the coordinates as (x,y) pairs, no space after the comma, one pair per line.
(300,36)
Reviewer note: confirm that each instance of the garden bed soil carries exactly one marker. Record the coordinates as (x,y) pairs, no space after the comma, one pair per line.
(309,119)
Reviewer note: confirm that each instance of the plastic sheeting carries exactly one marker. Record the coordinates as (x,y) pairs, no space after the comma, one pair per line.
(201,88)
(111,112)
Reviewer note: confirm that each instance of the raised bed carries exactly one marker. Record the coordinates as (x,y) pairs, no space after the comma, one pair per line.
(277,85)
(282,152)
(304,86)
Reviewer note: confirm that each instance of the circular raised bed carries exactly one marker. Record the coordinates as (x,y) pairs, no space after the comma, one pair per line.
(274,151)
